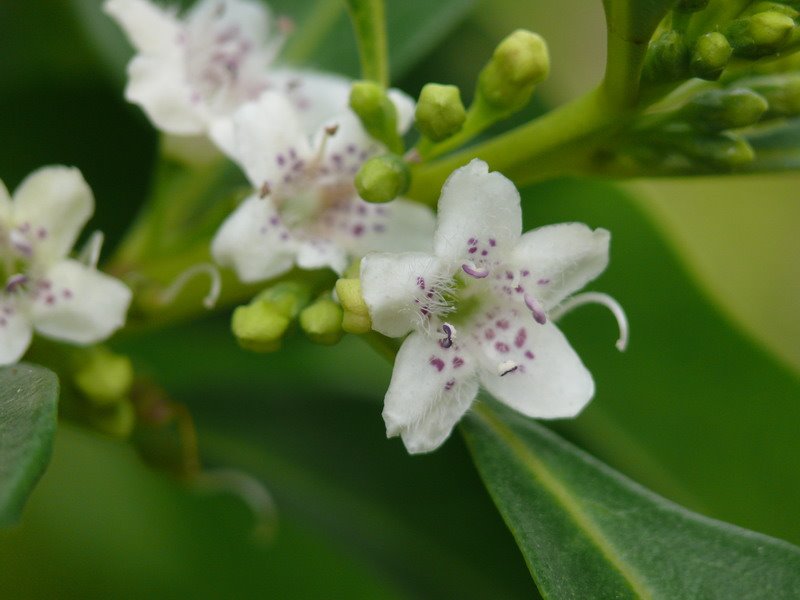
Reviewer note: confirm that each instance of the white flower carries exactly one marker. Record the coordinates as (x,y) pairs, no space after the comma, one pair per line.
(307,211)
(192,72)
(43,290)
(480,311)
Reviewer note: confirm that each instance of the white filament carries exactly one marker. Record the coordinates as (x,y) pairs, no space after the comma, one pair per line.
(597,298)
(169,294)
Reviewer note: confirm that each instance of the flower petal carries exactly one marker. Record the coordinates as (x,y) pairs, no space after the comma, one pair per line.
(544,377)
(15,333)
(151,29)
(254,241)
(558,260)
(268,140)
(480,218)
(431,389)
(405,106)
(317,97)
(396,289)
(79,304)
(159,86)
(55,203)
(6,209)
(319,253)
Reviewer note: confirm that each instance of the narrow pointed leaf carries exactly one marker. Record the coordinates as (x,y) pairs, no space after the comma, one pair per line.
(28,398)
(586,531)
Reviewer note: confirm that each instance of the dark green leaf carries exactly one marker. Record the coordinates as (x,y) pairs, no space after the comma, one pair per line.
(589,532)
(777,148)
(28,398)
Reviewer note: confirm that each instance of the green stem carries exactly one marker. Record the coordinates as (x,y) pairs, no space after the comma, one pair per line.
(524,149)
(369,23)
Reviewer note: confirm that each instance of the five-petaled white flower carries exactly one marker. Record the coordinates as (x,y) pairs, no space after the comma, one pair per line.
(480,311)
(43,290)
(306,210)
(192,73)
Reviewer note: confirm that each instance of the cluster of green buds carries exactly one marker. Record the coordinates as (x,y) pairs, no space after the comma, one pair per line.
(504,86)
(716,75)
(261,325)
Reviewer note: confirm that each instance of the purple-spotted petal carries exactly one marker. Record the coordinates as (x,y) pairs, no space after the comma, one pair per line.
(317,97)
(430,390)
(544,377)
(76,303)
(402,291)
(51,206)
(397,226)
(320,253)
(15,332)
(254,242)
(479,216)
(267,140)
(555,261)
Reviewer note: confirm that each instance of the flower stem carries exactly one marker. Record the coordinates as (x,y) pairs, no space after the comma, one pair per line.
(369,23)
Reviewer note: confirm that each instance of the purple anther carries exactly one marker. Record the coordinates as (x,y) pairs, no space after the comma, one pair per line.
(450,334)
(16,281)
(536,309)
(474,271)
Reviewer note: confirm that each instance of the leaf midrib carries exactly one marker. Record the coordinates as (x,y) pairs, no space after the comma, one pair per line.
(563,496)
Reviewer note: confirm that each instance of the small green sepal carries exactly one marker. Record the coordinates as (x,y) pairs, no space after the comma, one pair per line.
(322,321)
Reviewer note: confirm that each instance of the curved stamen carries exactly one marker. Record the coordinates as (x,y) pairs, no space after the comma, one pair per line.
(15,281)
(450,333)
(536,309)
(90,253)
(598,298)
(169,294)
(506,367)
(474,271)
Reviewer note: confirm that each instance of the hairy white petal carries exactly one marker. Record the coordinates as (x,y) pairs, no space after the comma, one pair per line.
(15,332)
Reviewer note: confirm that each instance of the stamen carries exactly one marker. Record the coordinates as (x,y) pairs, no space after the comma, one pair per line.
(474,271)
(332,129)
(16,281)
(506,367)
(413,157)
(169,294)
(264,190)
(598,298)
(90,253)
(538,312)
(450,333)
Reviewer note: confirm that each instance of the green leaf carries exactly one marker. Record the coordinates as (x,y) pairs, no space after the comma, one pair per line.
(777,148)
(588,532)
(28,398)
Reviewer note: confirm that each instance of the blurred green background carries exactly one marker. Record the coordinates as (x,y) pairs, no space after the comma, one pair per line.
(704,408)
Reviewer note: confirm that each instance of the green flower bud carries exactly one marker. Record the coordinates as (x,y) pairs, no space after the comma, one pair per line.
(710,56)
(760,7)
(356,314)
(322,321)
(377,113)
(690,6)
(760,35)
(667,58)
(287,297)
(440,112)
(259,326)
(782,93)
(719,151)
(104,378)
(382,178)
(519,62)
(716,110)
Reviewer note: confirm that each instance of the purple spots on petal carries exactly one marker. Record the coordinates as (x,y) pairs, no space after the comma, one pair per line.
(274,220)
(484,252)
(543,281)
(437,363)
(501,347)
(519,339)
(492,242)
(472,250)
(50,299)
(525,272)
(379,227)
(449,385)
(503,324)
(358,230)
(472,241)
(489,334)
(458,362)
(509,275)
(280,159)
(67,293)
(351,148)
(529,355)
(420,283)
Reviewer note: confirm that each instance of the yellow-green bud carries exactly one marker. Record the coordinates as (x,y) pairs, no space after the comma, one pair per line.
(356,314)
(259,326)
(287,297)
(377,113)
(711,54)
(716,110)
(440,112)
(382,178)
(519,62)
(104,378)
(322,321)
(759,35)
(759,7)
(690,6)
(725,150)
(782,93)
(667,58)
